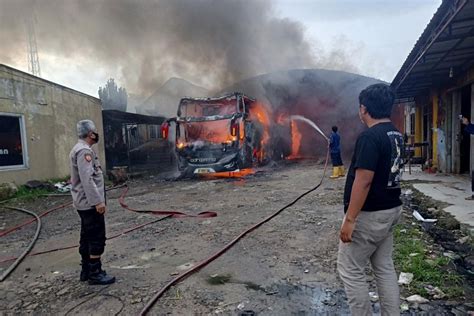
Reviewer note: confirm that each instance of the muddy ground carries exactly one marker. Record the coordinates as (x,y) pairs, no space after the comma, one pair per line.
(286,267)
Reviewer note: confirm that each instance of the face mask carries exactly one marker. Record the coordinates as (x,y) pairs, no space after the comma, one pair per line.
(96,137)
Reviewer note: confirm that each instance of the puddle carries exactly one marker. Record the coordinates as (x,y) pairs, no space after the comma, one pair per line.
(217,279)
(316,299)
(307,300)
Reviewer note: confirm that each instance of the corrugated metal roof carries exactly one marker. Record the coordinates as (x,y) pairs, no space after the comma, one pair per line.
(444,50)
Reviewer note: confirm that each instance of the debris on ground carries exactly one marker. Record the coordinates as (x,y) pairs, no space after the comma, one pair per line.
(293,271)
(119,175)
(419,217)
(451,255)
(404,307)
(63,187)
(435,292)
(7,190)
(405,278)
(463,240)
(36,184)
(417,299)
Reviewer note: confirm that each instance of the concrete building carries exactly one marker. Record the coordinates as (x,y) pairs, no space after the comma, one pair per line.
(38,126)
(436,86)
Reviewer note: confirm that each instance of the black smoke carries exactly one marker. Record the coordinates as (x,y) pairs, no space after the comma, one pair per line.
(213,43)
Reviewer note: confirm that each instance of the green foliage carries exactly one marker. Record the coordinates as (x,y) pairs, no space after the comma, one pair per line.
(412,254)
(30,194)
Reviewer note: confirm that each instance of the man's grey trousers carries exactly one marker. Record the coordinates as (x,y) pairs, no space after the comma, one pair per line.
(372,241)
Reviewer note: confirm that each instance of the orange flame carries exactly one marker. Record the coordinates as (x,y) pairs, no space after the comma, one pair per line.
(212,131)
(261,113)
(232,174)
(295,141)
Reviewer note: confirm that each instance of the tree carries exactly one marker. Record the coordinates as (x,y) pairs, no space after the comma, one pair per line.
(112,97)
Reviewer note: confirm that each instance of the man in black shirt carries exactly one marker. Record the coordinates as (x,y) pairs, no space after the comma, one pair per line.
(372,205)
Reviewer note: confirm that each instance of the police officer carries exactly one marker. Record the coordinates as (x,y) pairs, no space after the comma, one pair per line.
(88,196)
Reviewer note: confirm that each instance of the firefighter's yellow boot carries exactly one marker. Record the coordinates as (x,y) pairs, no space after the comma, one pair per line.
(342,171)
(335,173)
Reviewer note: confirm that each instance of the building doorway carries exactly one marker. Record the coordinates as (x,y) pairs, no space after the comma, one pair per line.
(465,139)
(428,131)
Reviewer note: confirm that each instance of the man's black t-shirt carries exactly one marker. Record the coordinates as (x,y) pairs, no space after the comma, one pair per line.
(379,149)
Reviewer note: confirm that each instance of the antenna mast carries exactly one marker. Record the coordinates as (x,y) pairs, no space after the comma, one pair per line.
(33,60)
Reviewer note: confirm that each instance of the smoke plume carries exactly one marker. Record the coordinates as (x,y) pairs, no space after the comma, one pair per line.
(213,43)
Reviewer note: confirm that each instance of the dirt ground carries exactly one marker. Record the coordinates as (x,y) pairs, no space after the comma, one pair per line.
(286,267)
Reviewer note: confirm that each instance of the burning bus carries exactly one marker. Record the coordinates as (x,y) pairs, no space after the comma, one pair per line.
(222,134)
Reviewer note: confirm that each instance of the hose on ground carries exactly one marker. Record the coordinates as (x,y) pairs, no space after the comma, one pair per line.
(205,262)
(15,264)
(12,229)
(126,231)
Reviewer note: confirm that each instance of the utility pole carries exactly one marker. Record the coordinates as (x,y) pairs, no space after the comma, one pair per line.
(33,60)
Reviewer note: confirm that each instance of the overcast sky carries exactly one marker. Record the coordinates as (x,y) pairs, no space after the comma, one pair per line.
(378,33)
(375,36)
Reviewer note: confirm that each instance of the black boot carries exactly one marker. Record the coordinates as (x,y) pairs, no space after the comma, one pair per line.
(99,276)
(84,271)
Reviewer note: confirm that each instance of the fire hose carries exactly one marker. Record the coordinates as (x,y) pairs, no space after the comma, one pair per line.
(126,231)
(12,229)
(216,255)
(15,264)
(173,214)
(166,214)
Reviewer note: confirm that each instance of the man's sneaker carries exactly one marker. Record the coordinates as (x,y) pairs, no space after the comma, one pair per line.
(97,276)
(470,198)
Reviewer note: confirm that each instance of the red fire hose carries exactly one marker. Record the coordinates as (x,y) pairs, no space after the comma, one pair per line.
(205,262)
(173,214)
(166,214)
(12,229)
(128,230)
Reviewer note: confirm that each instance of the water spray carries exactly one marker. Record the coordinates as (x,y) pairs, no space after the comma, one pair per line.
(311,123)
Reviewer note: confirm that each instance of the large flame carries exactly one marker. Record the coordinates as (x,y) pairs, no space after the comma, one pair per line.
(261,113)
(295,141)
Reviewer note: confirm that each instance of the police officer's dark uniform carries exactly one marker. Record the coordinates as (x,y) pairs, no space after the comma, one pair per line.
(87,191)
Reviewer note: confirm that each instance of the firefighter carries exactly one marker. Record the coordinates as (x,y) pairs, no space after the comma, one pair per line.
(335,148)
(88,194)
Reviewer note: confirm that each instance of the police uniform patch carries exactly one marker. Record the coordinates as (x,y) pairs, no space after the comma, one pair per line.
(88,157)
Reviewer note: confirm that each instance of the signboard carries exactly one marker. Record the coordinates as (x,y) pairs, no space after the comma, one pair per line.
(11,148)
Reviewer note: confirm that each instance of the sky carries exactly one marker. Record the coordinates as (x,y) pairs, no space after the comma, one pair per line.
(379,34)
(373,36)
